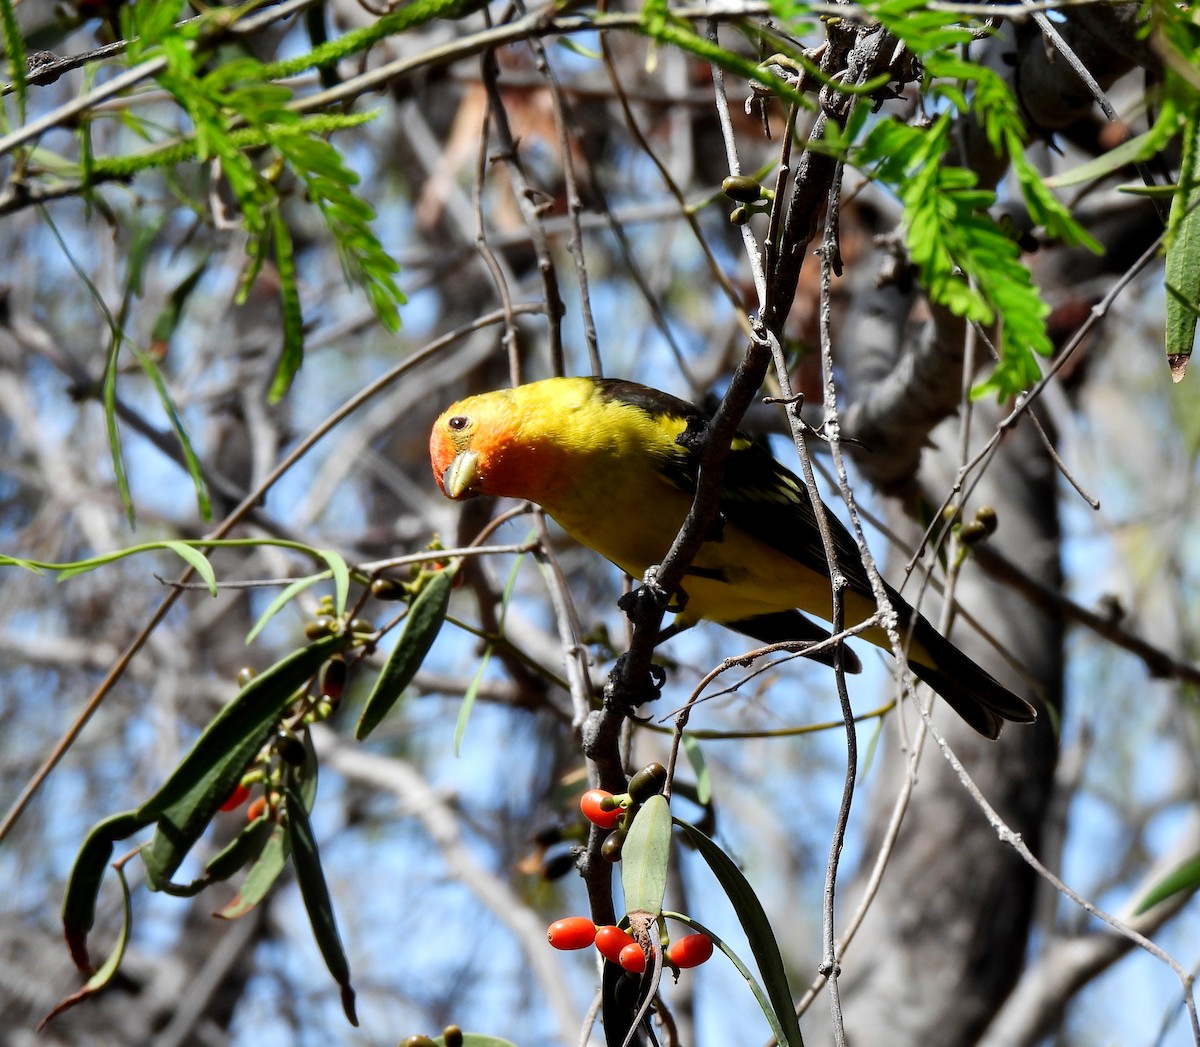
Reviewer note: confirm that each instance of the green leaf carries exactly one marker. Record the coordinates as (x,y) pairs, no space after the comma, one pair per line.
(645,856)
(168,319)
(87,872)
(742,969)
(285,596)
(190,458)
(1185,878)
(104,974)
(198,561)
(695,757)
(758,932)
(263,873)
(243,849)
(1139,148)
(108,391)
(189,798)
(341,578)
(421,627)
(293,318)
(1183,254)
(313,890)
(16,561)
(14,49)
(468,698)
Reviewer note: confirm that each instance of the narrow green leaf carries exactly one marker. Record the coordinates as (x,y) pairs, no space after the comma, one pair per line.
(293,319)
(743,970)
(243,849)
(305,776)
(315,893)
(83,566)
(192,794)
(1185,878)
(1183,254)
(190,458)
(14,49)
(571,44)
(281,601)
(421,627)
(468,699)
(645,856)
(1134,150)
(108,392)
(341,578)
(198,561)
(695,757)
(104,974)
(262,875)
(167,321)
(758,932)
(15,561)
(83,883)
(108,399)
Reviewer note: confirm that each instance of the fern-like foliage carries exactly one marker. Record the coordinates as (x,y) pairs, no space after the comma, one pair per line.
(222,104)
(966,261)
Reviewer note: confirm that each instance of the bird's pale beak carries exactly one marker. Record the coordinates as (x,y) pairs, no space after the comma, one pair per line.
(461,477)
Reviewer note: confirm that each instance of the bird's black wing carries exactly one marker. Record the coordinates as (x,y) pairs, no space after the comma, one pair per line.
(759,495)
(790,627)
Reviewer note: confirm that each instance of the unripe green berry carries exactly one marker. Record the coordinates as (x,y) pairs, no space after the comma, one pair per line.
(321,627)
(388,589)
(649,781)
(742,188)
(610,849)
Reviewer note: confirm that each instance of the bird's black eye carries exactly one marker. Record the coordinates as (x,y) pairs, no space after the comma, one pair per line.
(459,421)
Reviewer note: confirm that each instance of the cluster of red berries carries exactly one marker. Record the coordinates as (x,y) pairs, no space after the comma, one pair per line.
(619,947)
(607,811)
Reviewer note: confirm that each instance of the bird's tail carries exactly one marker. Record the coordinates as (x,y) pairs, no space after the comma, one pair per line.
(971,691)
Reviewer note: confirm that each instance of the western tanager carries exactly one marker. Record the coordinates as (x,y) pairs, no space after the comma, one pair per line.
(615,464)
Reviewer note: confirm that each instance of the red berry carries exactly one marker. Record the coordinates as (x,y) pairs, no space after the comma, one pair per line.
(256,809)
(236,798)
(590,804)
(690,951)
(610,941)
(575,932)
(632,958)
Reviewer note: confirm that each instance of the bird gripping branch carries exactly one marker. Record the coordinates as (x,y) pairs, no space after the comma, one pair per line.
(615,463)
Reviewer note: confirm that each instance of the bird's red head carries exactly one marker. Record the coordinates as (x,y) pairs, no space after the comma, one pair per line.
(455,461)
(476,444)
(528,442)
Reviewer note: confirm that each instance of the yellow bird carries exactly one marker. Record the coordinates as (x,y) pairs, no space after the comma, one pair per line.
(615,464)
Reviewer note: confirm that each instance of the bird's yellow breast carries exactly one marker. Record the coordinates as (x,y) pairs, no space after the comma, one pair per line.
(633,521)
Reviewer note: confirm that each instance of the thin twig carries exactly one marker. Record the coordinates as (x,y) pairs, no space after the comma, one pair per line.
(1018,844)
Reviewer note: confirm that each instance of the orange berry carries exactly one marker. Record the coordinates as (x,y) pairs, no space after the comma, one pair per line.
(574,932)
(690,951)
(632,958)
(591,804)
(610,941)
(256,809)
(236,798)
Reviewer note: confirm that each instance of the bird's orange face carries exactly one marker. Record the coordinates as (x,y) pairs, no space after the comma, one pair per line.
(470,444)
(455,463)
(512,443)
